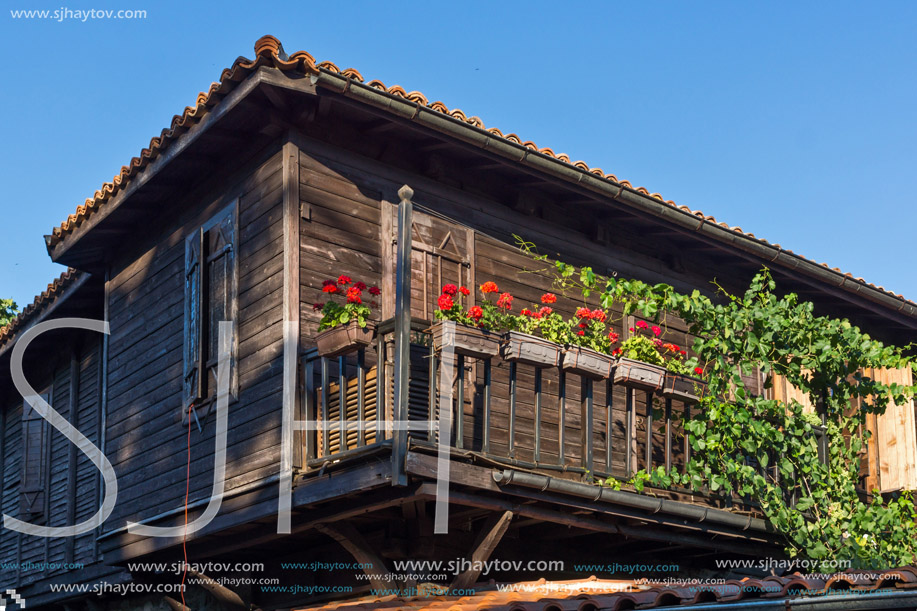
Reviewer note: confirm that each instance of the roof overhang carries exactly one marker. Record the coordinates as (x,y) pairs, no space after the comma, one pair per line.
(217,134)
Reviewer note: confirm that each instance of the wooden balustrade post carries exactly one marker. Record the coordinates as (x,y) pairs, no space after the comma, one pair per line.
(402,337)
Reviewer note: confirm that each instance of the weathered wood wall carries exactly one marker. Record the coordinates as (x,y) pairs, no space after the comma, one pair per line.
(72,486)
(146,439)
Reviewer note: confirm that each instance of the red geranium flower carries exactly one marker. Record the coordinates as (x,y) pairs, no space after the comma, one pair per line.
(489,287)
(631,329)
(613,337)
(544,311)
(617,351)
(329,283)
(505,301)
(330,288)
(683,353)
(374,291)
(464,290)
(318,306)
(344,280)
(581,332)
(549,298)
(445,302)
(582,325)
(360,286)
(698,371)
(475,313)
(656,330)
(641,324)
(527,312)
(354,295)
(584,313)
(598,315)
(450,289)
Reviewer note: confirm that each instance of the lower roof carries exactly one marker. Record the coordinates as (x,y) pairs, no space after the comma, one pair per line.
(851,589)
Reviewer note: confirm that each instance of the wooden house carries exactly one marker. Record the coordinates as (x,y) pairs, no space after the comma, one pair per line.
(288,172)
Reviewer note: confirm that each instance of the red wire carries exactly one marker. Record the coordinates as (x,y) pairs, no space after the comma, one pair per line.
(184,539)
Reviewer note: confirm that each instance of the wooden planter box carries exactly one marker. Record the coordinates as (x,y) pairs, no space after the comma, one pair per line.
(639,375)
(588,362)
(345,338)
(683,388)
(468,341)
(530,350)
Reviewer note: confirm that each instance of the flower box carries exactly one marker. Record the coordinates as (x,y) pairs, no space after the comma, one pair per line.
(468,341)
(530,350)
(588,362)
(639,375)
(345,338)
(683,388)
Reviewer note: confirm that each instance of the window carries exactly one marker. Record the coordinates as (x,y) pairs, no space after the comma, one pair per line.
(211,285)
(33,501)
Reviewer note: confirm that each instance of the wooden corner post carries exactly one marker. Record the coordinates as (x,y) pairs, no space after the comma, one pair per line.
(402,336)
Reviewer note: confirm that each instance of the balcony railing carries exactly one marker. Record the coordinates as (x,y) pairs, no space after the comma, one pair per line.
(513,414)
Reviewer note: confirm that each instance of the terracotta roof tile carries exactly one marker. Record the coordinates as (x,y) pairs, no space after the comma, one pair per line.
(269,52)
(38,304)
(610,595)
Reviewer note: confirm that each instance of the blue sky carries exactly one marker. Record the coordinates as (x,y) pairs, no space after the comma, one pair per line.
(794,121)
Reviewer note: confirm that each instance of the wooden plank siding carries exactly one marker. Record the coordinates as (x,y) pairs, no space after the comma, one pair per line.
(145,438)
(72,493)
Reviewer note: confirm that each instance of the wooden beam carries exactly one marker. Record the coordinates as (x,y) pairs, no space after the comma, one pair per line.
(275,97)
(351,540)
(221,593)
(380,127)
(291,443)
(70,546)
(488,539)
(174,604)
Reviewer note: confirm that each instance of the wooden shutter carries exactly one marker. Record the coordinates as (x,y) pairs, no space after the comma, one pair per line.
(193,387)
(35,444)
(754,382)
(895,437)
(441,253)
(219,288)
(782,390)
(350,414)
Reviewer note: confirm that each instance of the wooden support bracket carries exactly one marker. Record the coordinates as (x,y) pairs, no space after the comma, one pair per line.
(351,540)
(228,598)
(488,539)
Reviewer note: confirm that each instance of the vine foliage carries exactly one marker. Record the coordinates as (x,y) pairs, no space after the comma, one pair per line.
(768,451)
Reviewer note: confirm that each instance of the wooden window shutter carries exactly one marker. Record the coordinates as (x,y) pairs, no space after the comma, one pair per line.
(782,390)
(351,413)
(35,444)
(193,387)
(220,291)
(895,437)
(754,382)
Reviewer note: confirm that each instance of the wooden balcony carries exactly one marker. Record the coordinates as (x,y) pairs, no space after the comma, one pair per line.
(502,413)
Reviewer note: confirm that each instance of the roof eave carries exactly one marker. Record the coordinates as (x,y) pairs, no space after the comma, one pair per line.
(900,309)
